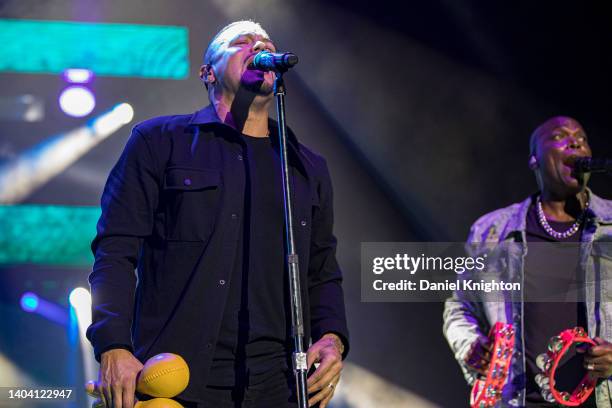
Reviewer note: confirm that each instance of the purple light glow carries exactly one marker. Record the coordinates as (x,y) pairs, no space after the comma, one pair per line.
(31,303)
(78,75)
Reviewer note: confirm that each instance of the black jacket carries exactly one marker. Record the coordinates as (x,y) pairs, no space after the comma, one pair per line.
(170,210)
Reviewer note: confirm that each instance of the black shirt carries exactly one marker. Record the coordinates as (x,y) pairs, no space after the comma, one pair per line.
(252,341)
(550,270)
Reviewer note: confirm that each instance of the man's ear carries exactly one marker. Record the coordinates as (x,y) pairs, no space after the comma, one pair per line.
(207,74)
(533,162)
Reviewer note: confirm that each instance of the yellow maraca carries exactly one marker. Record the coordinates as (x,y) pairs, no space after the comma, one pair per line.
(163,376)
(152,403)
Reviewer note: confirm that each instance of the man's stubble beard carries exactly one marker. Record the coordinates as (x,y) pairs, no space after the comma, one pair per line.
(260,88)
(255,82)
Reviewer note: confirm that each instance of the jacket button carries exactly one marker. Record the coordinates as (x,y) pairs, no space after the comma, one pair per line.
(187,182)
(234,216)
(239,157)
(303,223)
(222,282)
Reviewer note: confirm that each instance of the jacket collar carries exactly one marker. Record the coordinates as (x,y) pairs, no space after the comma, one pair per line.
(207,116)
(518,221)
(600,210)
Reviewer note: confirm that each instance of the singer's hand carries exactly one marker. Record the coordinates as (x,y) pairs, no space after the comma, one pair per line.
(479,356)
(322,383)
(599,357)
(117,379)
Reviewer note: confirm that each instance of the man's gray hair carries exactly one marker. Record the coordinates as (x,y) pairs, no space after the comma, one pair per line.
(229,32)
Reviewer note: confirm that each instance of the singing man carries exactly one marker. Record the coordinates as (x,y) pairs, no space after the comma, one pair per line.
(190,247)
(563,210)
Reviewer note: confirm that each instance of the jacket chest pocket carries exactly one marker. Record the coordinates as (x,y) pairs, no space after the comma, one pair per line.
(192,198)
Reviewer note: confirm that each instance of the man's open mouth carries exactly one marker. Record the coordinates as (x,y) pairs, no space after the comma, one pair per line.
(570,161)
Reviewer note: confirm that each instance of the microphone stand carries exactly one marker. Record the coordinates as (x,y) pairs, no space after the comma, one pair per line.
(300,366)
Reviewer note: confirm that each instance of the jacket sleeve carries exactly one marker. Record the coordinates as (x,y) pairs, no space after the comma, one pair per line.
(464,323)
(324,274)
(128,204)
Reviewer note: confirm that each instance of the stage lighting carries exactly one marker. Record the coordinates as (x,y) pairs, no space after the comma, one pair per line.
(29,302)
(77,101)
(153,51)
(25,107)
(80,301)
(118,116)
(80,298)
(125,113)
(80,313)
(64,240)
(34,167)
(78,75)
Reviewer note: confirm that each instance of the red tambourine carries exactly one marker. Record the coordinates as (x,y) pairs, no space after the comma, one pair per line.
(486,393)
(548,362)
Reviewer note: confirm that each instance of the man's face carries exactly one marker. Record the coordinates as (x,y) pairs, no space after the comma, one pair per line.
(231,64)
(559,141)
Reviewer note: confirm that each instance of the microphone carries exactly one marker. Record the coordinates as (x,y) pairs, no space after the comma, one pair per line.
(591,165)
(274,61)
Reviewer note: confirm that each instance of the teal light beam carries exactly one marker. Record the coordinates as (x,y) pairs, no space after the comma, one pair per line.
(108,49)
(47,234)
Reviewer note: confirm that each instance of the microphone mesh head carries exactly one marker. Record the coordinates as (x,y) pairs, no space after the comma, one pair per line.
(291,59)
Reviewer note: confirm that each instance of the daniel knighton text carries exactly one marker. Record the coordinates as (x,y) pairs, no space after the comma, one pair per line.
(426,272)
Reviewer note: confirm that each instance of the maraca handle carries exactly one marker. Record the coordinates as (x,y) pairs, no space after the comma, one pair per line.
(158,403)
(92,389)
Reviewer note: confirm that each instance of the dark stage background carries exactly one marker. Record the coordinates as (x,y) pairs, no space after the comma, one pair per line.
(422,109)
